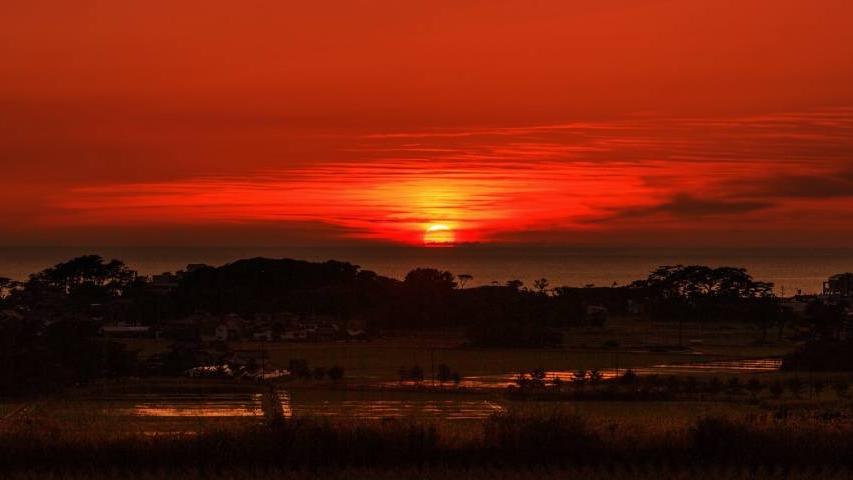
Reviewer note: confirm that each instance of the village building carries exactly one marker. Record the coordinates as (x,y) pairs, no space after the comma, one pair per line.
(124,330)
(839,285)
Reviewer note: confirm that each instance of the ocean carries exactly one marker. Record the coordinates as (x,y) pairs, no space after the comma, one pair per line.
(791,270)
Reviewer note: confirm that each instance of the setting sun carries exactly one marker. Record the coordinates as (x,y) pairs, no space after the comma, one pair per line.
(439,235)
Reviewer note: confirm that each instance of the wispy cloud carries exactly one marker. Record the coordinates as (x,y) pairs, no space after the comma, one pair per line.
(489,182)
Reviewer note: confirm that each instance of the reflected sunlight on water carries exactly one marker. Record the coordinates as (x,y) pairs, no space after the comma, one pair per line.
(721,367)
(187,405)
(377,409)
(381,405)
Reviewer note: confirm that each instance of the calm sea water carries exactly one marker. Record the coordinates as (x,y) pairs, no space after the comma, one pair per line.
(790,269)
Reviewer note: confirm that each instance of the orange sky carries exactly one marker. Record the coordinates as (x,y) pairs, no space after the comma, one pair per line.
(274,122)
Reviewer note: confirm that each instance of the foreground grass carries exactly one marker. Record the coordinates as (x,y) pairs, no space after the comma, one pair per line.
(582,473)
(505,442)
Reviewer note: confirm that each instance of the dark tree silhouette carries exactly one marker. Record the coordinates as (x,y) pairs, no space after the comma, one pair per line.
(87,270)
(444,373)
(827,320)
(515,284)
(335,373)
(416,374)
(430,279)
(700,293)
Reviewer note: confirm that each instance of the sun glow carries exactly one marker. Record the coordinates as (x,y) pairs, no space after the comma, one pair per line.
(439,235)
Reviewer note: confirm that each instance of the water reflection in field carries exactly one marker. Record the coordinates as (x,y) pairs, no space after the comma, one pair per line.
(329,404)
(378,404)
(188,405)
(370,406)
(720,367)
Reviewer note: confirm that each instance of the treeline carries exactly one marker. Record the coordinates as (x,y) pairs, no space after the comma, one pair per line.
(505,315)
(425,298)
(48,323)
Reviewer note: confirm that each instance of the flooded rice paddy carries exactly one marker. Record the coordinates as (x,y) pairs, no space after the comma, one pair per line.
(188,407)
(719,367)
(382,405)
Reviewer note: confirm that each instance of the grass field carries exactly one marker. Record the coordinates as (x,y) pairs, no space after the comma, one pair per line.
(621,343)
(584,348)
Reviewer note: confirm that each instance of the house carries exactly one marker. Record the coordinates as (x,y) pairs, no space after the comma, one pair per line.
(235,324)
(228,327)
(357,334)
(327,331)
(596,314)
(264,335)
(294,335)
(634,308)
(126,331)
(839,285)
(164,280)
(220,333)
(797,305)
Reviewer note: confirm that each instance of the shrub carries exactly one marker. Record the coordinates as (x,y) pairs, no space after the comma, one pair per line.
(299,368)
(416,374)
(557,383)
(336,373)
(691,385)
(629,377)
(444,373)
(734,386)
(777,389)
(818,386)
(595,376)
(841,388)
(795,386)
(834,356)
(714,386)
(754,386)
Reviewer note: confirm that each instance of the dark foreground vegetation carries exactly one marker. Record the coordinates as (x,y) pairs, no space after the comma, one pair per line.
(592,472)
(505,441)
